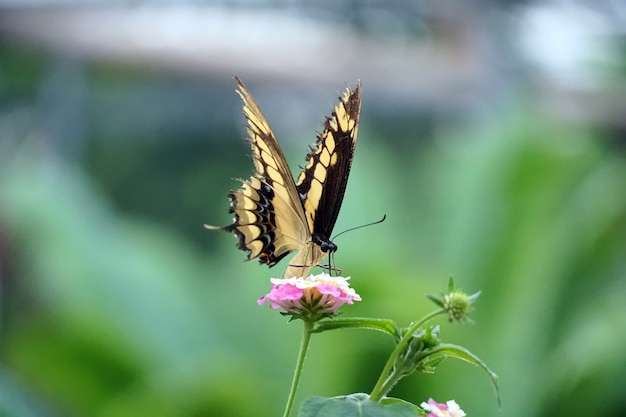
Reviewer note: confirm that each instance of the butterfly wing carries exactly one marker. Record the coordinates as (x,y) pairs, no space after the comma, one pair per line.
(269,218)
(322,183)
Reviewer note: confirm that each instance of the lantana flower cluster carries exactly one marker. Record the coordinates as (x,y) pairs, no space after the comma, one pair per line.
(435,409)
(313,297)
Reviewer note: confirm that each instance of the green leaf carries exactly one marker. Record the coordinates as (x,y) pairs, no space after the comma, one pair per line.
(459,352)
(356,405)
(382,325)
(451,285)
(436,300)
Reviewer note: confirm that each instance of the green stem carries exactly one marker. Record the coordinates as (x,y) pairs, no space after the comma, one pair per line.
(386,380)
(304,346)
(390,382)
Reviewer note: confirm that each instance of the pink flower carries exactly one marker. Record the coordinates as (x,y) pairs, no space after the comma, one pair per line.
(314,297)
(449,409)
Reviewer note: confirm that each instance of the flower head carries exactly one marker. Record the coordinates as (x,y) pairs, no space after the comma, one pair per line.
(449,409)
(311,298)
(456,303)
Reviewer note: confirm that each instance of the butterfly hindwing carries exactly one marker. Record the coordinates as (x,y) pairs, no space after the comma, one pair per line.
(275,216)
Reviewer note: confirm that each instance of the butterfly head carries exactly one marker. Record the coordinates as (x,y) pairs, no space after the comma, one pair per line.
(324,243)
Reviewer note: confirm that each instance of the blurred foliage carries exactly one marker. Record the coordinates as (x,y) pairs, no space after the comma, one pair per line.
(115,301)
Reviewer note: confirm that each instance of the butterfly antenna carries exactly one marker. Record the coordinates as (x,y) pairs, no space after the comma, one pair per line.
(358,227)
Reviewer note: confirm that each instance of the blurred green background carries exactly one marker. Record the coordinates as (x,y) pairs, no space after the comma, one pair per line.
(492,135)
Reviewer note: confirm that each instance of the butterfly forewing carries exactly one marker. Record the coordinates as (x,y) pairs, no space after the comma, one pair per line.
(322,183)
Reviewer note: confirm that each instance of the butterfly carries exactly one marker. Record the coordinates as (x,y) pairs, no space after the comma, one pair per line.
(275,215)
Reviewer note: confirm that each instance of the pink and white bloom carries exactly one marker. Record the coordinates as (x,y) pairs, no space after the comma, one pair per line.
(315,296)
(449,409)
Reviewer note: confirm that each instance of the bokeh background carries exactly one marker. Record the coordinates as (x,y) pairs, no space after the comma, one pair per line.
(493,135)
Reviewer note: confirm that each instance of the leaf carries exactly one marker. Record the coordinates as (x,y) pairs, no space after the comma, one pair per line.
(382,325)
(460,352)
(356,405)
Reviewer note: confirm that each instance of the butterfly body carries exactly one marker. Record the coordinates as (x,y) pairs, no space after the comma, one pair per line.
(275,215)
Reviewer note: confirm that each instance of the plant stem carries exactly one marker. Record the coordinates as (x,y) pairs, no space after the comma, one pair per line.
(304,346)
(386,381)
